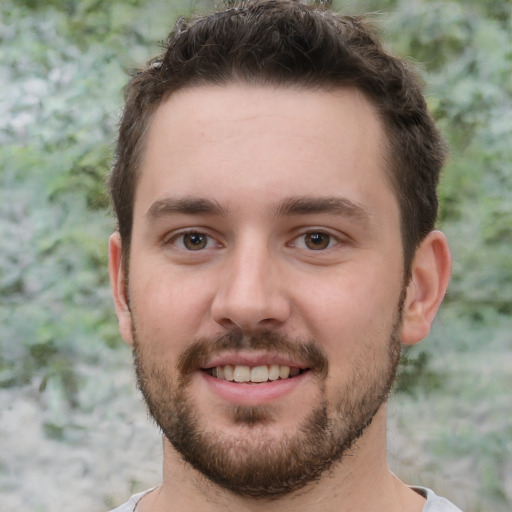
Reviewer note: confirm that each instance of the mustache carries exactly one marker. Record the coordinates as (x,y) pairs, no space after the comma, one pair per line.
(201,350)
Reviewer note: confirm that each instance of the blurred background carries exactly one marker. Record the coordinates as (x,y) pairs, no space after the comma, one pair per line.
(73,433)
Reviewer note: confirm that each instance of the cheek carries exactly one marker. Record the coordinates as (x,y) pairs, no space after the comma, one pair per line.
(168,310)
(352,308)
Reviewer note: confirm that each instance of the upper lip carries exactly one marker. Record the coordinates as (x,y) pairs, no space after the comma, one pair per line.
(252,359)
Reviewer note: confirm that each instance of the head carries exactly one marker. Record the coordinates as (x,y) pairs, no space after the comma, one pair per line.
(289,44)
(275,191)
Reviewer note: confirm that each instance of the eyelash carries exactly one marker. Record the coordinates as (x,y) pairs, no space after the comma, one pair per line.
(315,236)
(173,240)
(332,240)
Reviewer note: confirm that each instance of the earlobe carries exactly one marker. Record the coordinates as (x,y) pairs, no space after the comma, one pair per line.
(118,285)
(430,275)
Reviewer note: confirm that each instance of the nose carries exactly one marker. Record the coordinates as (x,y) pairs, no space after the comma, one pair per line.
(251,291)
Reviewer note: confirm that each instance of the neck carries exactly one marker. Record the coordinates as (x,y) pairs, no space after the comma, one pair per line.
(361,481)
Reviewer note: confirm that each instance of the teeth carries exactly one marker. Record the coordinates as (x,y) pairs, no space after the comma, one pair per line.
(264,373)
(284,372)
(294,372)
(242,373)
(228,372)
(259,374)
(273,372)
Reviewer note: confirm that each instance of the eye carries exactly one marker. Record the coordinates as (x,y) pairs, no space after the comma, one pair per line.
(315,241)
(193,241)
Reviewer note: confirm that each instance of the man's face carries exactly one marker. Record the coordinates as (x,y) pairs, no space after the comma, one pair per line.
(266,249)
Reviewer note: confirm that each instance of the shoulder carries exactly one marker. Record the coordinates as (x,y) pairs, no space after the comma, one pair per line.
(130,505)
(435,503)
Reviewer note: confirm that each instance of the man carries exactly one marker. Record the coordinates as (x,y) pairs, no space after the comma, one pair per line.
(275,189)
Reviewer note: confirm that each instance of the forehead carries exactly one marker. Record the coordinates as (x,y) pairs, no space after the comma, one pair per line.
(222,140)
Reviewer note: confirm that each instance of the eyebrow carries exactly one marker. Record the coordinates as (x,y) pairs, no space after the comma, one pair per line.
(302,205)
(185,206)
(312,205)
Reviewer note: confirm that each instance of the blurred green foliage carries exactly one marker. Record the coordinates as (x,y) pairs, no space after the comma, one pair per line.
(63,64)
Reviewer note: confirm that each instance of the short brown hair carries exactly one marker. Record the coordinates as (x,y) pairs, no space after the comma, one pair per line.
(288,43)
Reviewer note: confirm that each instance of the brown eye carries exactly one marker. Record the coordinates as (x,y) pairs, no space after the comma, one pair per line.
(195,241)
(317,241)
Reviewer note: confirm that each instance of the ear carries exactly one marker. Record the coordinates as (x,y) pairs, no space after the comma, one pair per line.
(119,289)
(430,275)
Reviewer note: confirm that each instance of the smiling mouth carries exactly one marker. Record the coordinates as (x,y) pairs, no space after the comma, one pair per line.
(254,374)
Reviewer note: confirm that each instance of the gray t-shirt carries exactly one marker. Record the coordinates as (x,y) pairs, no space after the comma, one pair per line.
(434,503)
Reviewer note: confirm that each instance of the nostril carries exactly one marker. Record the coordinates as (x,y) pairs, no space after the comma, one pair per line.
(226,323)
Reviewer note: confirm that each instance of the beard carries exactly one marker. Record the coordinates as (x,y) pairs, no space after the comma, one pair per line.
(255,464)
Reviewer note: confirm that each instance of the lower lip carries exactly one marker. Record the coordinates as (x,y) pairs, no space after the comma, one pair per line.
(245,393)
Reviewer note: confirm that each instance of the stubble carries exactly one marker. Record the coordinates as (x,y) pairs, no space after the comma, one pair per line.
(255,464)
